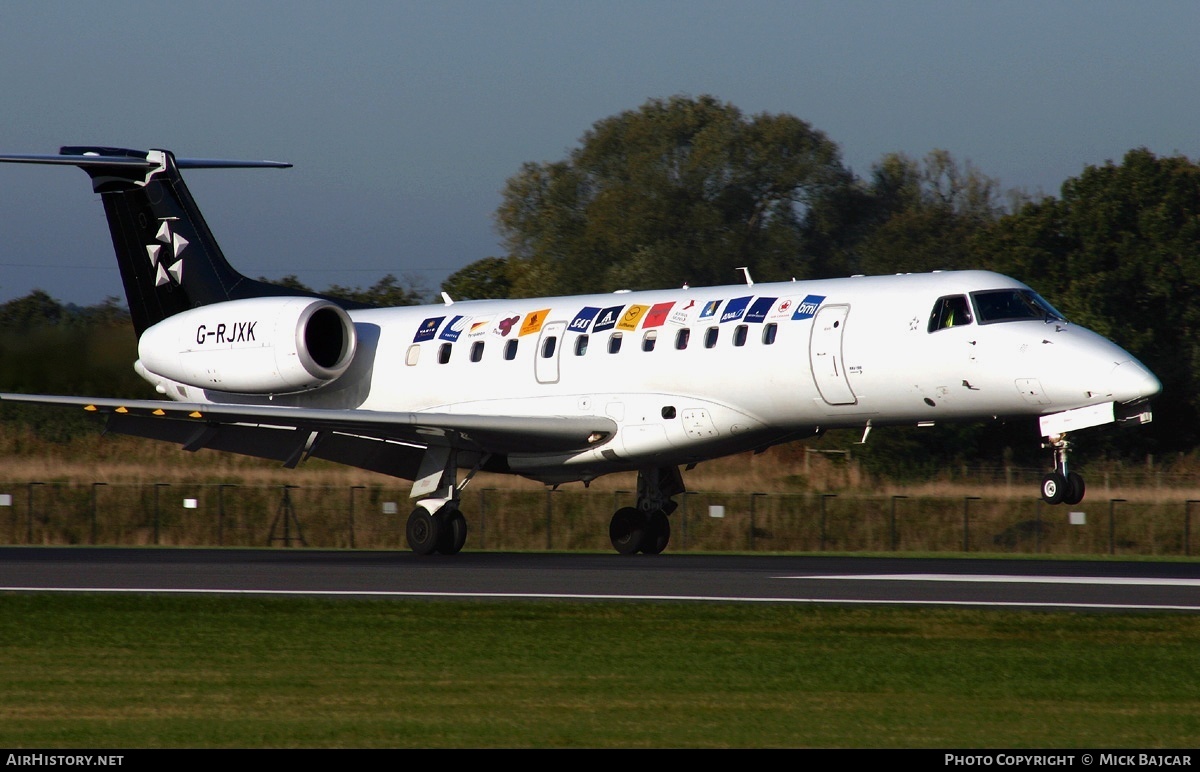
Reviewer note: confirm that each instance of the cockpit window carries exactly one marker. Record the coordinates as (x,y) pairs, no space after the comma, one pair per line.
(1013,305)
(950,311)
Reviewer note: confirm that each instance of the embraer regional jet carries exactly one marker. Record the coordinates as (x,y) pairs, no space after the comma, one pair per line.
(567,389)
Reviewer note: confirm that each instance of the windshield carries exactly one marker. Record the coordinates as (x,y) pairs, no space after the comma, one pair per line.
(1013,305)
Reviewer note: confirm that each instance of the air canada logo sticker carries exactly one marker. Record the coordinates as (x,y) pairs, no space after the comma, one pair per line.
(166,256)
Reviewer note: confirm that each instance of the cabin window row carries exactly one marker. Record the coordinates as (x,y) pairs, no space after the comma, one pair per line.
(682,340)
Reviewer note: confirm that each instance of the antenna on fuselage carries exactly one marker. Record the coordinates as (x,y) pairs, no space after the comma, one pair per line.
(746,271)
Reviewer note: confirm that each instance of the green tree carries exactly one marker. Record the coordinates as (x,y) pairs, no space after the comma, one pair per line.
(490,277)
(385,293)
(679,190)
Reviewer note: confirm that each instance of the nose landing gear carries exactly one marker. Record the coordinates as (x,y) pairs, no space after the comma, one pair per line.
(1061,486)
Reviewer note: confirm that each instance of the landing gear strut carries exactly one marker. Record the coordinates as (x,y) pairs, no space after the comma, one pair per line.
(1061,486)
(437,525)
(646,527)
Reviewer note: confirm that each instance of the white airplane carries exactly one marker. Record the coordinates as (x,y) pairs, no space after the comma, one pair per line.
(567,389)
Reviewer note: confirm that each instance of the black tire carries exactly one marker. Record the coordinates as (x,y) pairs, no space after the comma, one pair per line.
(658,533)
(1054,488)
(1075,489)
(453,530)
(627,530)
(423,532)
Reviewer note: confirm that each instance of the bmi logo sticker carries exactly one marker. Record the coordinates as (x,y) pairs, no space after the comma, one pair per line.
(807,308)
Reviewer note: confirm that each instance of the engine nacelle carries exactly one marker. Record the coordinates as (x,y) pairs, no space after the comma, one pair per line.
(252,346)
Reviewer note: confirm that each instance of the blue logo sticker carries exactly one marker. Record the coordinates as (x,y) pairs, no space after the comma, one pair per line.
(608,319)
(759,310)
(710,308)
(807,308)
(583,319)
(735,308)
(428,329)
(454,329)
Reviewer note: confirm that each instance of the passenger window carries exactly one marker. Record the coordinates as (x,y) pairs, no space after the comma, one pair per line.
(548,346)
(682,337)
(581,345)
(768,336)
(444,353)
(739,335)
(710,337)
(950,311)
(614,343)
(510,350)
(412,355)
(477,351)
(648,340)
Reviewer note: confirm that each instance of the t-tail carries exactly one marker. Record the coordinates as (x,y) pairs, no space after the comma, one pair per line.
(168,257)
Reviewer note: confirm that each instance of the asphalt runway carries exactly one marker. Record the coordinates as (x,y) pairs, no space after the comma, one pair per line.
(1085,585)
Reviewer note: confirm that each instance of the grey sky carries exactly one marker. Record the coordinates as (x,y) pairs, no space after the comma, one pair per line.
(405,118)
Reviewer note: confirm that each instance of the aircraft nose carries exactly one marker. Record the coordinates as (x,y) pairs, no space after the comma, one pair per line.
(1130,381)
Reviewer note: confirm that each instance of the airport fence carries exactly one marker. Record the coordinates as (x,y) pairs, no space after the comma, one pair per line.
(374,517)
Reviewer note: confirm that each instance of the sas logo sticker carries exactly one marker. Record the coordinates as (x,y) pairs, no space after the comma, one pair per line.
(583,319)
(807,308)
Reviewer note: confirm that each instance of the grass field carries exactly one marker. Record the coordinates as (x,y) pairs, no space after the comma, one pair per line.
(148,671)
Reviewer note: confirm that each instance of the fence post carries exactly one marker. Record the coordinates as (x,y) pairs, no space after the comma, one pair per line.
(893,525)
(95,488)
(29,513)
(967,522)
(221,512)
(157,486)
(824,496)
(753,499)
(483,517)
(350,514)
(549,518)
(1187,526)
(1112,505)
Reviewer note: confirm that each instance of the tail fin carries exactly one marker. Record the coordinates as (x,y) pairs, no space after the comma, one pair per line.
(168,257)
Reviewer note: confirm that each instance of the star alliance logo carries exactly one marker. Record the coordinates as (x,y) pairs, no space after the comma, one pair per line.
(168,268)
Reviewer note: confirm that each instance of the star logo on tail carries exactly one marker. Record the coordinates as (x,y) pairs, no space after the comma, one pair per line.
(166,256)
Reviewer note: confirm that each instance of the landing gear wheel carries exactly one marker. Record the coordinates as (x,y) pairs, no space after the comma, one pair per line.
(423,532)
(453,528)
(627,530)
(1054,488)
(658,533)
(1075,488)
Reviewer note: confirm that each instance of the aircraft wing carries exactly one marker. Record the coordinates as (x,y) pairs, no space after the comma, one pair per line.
(388,442)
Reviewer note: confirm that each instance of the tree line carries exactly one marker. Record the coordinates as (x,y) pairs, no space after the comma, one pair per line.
(689,189)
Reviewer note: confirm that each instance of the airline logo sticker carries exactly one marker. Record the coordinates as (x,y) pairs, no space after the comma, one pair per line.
(608,319)
(505,325)
(455,328)
(783,308)
(658,315)
(683,313)
(758,310)
(631,317)
(583,319)
(479,326)
(710,309)
(167,267)
(735,308)
(428,329)
(807,308)
(533,321)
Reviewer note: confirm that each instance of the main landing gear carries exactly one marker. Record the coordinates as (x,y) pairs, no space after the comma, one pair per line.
(1061,486)
(437,525)
(646,527)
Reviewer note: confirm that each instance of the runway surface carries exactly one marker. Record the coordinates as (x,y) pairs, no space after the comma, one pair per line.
(1093,585)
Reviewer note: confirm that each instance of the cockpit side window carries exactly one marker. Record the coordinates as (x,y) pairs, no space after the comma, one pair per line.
(950,311)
